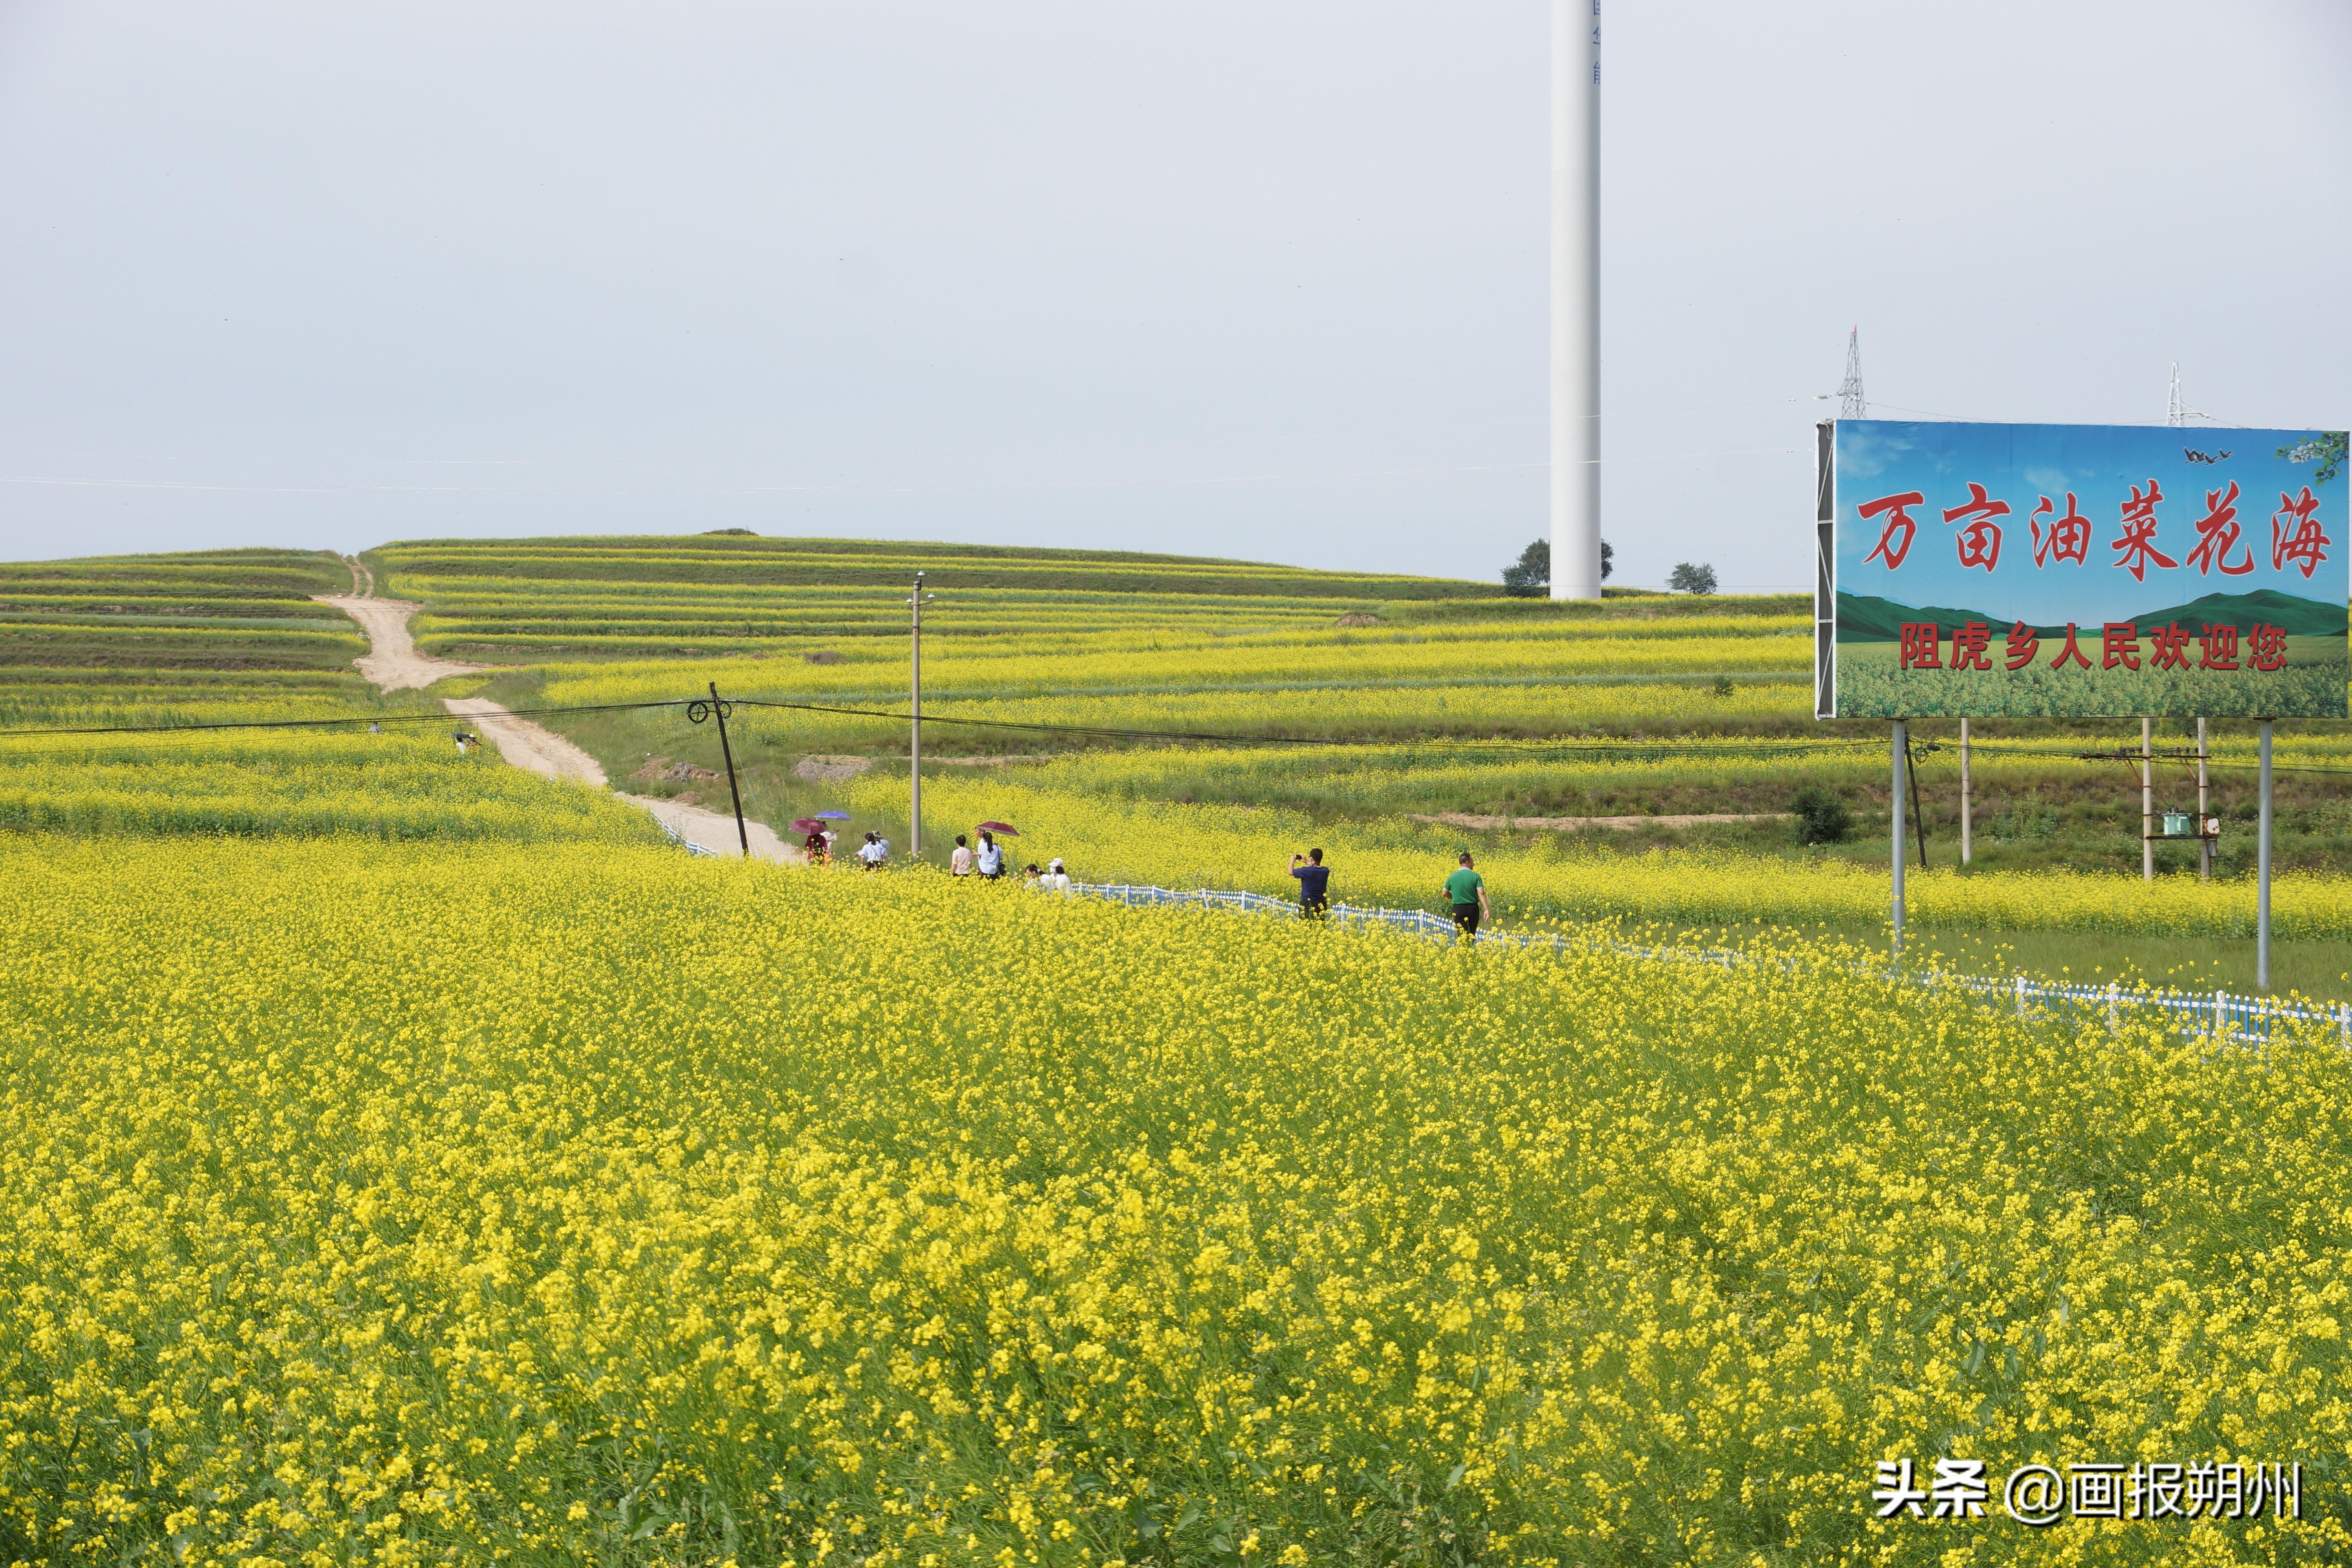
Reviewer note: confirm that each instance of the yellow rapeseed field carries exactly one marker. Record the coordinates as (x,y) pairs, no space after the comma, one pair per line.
(405,1204)
(1401,863)
(408,782)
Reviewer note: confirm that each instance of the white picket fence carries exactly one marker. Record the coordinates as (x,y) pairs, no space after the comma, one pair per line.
(2217,1015)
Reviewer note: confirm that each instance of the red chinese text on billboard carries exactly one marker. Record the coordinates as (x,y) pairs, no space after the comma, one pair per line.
(1922,646)
(2171,651)
(2266,648)
(2119,645)
(2137,545)
(1979,542)
(2296,534)
(2068,538)
(2217,533)
(1888,549)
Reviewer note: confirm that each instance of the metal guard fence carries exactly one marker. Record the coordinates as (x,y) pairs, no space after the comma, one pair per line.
(2220,1016)
(683,842)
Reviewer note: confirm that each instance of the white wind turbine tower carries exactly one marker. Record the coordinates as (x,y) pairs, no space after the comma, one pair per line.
(1576,298)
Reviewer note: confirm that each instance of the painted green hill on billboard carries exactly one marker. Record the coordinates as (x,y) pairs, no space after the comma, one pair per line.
(1869,618)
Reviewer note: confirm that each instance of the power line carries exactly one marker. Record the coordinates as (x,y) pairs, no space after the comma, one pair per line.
(344,719)
(1758,748)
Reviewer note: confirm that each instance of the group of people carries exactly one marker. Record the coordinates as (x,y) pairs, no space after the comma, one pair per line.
(1464,891)
(987,860)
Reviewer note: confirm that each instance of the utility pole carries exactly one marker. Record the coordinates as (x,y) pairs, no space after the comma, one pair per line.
(718,711)
(1576,298)
(915,602)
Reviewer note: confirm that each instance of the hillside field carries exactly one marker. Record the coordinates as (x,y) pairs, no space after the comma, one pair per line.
(421,1160)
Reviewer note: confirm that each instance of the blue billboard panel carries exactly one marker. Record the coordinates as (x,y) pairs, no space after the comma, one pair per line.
(2092,571)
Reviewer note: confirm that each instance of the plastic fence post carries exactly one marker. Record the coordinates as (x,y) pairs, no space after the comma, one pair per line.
(2344,1022)
(2020,995)
(2112,1023)
(2217,1014)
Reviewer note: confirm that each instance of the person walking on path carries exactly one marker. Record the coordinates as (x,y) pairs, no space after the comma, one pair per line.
(988,859)
(1314,884)
(1466,891)
(872,852)
(959,863)
(815,848)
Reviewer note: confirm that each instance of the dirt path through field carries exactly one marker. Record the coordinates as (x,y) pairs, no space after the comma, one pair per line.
(392,662)
(395,665)
(543,752)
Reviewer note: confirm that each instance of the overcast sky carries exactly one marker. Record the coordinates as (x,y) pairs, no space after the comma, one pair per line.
(1254,280)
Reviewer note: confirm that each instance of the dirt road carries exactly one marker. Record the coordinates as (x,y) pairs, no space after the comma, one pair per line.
(392,662)
(527,745)
(395,665)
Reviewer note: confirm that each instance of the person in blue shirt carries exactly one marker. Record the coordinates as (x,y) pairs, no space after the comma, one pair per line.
(1314,884)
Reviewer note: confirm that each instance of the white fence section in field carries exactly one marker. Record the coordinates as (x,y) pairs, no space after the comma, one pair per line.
(682,841)
(2219,1014)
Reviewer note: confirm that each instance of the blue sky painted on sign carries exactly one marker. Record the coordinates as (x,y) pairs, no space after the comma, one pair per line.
(2101,465)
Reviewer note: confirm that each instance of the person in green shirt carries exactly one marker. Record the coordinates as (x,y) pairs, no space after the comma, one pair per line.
(1466,890)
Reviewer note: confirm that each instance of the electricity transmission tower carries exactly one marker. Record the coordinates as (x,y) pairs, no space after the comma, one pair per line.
(2176,412)
(1849,401)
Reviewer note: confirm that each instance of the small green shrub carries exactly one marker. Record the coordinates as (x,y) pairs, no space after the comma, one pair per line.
(1821,816)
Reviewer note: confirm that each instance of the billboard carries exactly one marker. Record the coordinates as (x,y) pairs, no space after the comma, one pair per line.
(2092,571)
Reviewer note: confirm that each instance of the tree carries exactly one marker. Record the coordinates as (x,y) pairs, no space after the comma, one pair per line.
(1692,578)
(2327,451)
(1532,575)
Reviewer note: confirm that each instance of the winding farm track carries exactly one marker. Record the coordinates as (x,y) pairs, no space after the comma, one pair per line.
(392,663)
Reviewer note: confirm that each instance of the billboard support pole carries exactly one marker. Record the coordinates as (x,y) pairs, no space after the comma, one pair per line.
(2263,875)
(2204,843)
(1967,844)
(2146,800)
(1902,750)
